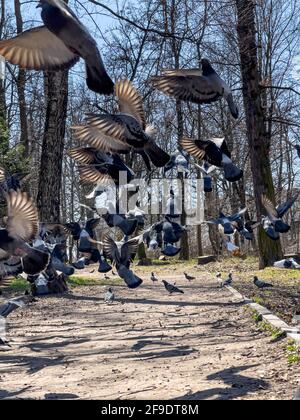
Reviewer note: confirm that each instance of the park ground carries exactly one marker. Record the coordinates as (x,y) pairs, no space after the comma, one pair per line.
(203,344)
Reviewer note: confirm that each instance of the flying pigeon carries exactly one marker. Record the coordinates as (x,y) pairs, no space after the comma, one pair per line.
(11,182)
(170,288)
(288,264)
(83,233)
(194,85)
(275,215)
(153,278)
(179,162)
(188,277)
(227,222)
(101,168)
(8,307)
(58,45)
(123,132)
(122,254)
(109,296)
(215,152)
(261,284)
(22,226)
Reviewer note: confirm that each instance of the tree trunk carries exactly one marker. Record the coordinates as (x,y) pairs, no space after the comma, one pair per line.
(259,141)
(21,84)
(56,89)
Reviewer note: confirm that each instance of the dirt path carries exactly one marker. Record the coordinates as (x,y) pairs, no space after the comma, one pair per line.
(200,345)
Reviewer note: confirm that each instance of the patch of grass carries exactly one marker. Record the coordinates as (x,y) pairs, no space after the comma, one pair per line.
(17,285)
(257,299)
(76,281)
(292,352)
(275,333)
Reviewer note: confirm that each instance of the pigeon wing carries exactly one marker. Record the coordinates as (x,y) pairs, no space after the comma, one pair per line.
(85,156)
(92,175)
(192,147)
(110,125)
(284,208)
(130,101)
(186,87)
(129,250)
(269,206)
(22,219)
(110,249)
(38,49)
(93,136)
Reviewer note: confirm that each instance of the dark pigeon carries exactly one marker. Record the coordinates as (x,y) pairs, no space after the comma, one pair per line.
(171,288)
(58,45)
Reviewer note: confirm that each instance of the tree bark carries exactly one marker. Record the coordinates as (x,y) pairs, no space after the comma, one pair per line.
(48,199)
(21,85)
(258,138)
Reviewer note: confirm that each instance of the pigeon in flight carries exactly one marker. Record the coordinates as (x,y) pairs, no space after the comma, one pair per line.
(296,147)
(11,182)
(22,226)
(188,277)
(216,153)
(171,288)
(123,132)
(122,254)
(109,296)
(261,284)
(8,307)
(83,233)
(194,85)
(58,45)
(275,215)
(227,222)
(100,168)
(179,162)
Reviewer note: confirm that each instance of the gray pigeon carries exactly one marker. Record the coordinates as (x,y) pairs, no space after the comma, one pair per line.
(8,307)
(194,85)
(170,288)
(59,44)
(261,284)
(188,277)
(109,296)
(153,278)
(229,281)
(275,215)
(123,132)
(122,254)
(227,222)
(22,226)
(216,153)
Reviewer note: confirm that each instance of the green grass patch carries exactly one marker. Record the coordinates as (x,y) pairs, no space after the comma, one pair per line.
(76,281)
(17,285)
(292,352)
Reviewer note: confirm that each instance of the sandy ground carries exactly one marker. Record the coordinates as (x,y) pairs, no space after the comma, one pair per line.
(148,345)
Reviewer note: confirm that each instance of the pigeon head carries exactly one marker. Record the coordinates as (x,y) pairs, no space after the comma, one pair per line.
(206,68)
(255,278)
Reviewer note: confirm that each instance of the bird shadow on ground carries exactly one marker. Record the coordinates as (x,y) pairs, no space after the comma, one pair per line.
(181,303)
(60,396)
(238,385)
(34,364)
(176,352)
(40,346)
(7,395)
(144,343)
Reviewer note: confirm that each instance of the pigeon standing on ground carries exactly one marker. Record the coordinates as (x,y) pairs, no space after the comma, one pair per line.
(58,45)
(229,281)
(194,85)
(219,279)
(215,152)
(261,284)
(124,132)
(153,278)
(171,288)
(188,277)
(109,296)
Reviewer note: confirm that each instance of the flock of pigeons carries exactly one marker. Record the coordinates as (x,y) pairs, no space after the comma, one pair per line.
(39,250)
